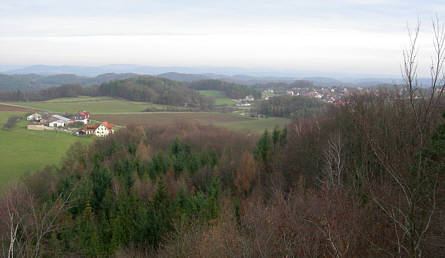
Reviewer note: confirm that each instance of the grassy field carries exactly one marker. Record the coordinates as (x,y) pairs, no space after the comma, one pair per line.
(229,120)
(220,97)
(94,105)
(24,151)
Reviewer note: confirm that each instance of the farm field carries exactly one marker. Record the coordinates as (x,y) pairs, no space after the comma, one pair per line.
(4,108)
(23,151)
(229,120)
(220,97)
(93,105)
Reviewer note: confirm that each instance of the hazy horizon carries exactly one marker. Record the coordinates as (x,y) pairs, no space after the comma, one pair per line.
(346,37)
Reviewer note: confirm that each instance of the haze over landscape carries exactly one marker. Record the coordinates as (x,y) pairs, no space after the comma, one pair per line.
(293,38)
(191,128)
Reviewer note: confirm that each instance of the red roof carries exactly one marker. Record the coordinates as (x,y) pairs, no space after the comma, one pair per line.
(84,114)
(108,125)
(94,127)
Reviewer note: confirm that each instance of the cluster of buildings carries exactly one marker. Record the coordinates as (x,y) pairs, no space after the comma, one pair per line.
(326,94)
(245,102)
(69,123)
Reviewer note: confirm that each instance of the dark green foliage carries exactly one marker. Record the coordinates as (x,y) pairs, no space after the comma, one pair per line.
(11,123)
(155,90)
(231,90)
(289,106)
(34,82)
(110,208)
(264,151)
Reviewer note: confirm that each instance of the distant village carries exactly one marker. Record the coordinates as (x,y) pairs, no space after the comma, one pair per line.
(77,124)
(329,94)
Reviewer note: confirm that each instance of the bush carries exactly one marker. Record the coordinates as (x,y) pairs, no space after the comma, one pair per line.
(11,123)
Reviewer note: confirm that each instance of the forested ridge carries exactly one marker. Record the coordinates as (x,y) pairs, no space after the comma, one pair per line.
(343,182)
(232,90)
(36,82)
(155,90)
(143,88)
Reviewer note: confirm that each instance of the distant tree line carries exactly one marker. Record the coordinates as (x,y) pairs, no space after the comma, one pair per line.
(35,82)
(64,91)
(155,90)
(288,106)
(283,86)
(231,90)
(146,89)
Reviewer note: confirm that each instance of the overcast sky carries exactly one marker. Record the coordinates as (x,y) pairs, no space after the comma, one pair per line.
(345,36)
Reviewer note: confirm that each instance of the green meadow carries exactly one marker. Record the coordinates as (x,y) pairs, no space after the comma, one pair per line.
(220,97)
(93,105)
(23,151)
(229,120)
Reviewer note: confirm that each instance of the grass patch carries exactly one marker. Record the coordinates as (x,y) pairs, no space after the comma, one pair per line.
(228,120)
(23,151)
(220,97)
(91,104)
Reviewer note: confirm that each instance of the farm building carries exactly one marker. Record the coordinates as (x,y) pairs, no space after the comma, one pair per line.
(57,123)
(101,130)
(62,118)
(34,117)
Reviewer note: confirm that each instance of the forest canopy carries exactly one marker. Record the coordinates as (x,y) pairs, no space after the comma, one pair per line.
(289,106)
(232,90)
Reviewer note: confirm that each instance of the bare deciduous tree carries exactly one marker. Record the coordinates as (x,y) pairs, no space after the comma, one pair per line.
(333,156)
(411,202)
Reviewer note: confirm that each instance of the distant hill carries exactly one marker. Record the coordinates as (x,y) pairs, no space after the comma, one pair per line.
(156,90)
(183,77)
(324,81)
(18,82)
(238,75)
(34,82)
(231,90)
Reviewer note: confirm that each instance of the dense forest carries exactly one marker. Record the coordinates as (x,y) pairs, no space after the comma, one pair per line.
(232,90)
(361,180)
(35,82)
(64,91)
(288,106)
(155,90)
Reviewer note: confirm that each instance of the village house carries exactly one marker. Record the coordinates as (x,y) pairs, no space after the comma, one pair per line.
(82,116)
(249,98)
(100,130)
(34,117)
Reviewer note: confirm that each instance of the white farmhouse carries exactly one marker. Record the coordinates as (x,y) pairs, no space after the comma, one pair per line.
(100,130)
(57,123)
(34,117)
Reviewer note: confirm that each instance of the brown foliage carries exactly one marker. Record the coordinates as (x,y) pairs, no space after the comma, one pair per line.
(246,173)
